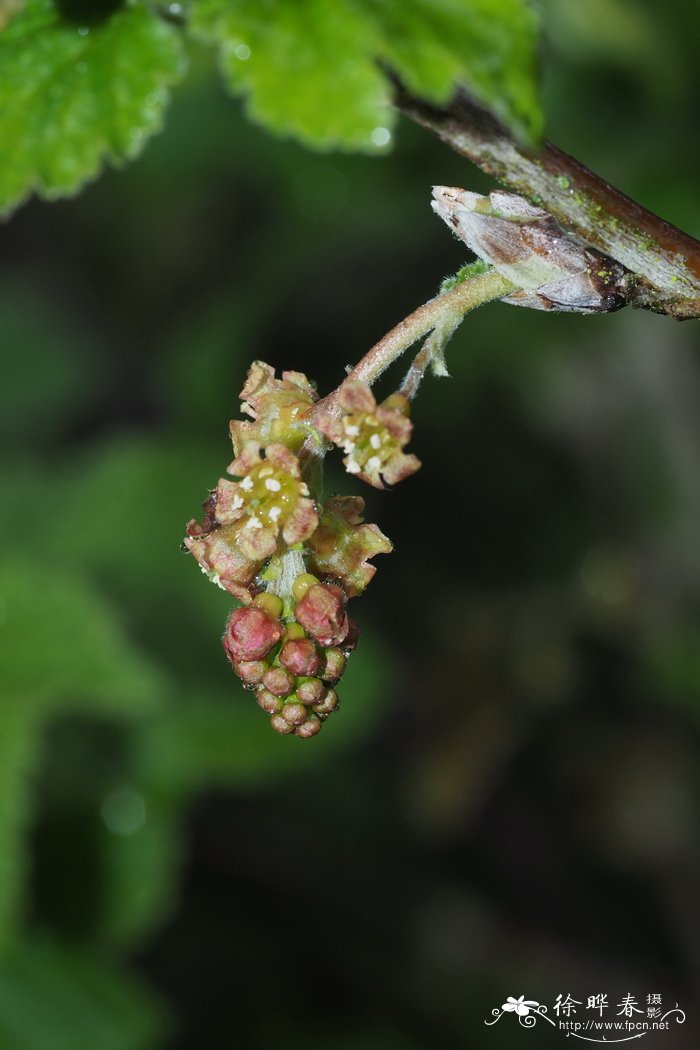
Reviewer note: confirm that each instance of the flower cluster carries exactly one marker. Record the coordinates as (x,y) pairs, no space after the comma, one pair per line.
(293,661)
(291,561)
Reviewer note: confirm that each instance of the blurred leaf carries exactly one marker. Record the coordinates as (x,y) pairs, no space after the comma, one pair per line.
(132,543)
(140,861)
(47,371)
(311,71)
(160,485)
(8,10)
(54,998)
(19,745)
(671,666)
(621,30)
(60,643)
(77,90)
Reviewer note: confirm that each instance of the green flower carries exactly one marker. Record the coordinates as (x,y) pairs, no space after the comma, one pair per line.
(373,436)
(342,543)
(270,501)
(277,406)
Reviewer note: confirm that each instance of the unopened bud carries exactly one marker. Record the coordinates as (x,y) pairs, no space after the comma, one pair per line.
(250,671)
(327,704)
(302,583)
(300,657)
(334,665)
(294,712)
(269,603)
(270,703)
(278,681)
(310,727)
(322,612)
(251,633)
(310,690)
(281,725)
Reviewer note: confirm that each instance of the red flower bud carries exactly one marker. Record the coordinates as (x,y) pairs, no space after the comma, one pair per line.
(328,704)
(281,725)
(310,690)
(268,701)
(250,671)
(300,657)
(294,712)
(309,728)
(278,681)
(334,665)
(322,613)
(250,634)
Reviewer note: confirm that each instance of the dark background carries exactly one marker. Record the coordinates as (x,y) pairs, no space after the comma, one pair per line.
(507,802)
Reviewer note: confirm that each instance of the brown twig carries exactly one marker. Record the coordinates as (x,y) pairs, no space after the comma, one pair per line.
(664,262)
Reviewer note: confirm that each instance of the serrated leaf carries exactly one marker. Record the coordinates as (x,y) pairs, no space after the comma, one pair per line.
(307,69)
(57,998)
(311,70)
(76,93)
(61,644)
(489,46)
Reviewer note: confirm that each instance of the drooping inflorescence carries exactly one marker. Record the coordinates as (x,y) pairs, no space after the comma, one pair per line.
(291,560)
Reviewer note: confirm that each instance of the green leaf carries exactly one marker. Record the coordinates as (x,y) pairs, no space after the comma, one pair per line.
(78,91)
(307,69)
(489,46)
(311,70)
(62,999)
(20,741)
(60,643)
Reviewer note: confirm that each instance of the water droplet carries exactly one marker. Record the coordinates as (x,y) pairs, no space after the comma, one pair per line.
(83,30)
(242,52)
(381,137)
(124,811)
(175,9)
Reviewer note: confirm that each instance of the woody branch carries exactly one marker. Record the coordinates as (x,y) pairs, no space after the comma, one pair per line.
(662,261)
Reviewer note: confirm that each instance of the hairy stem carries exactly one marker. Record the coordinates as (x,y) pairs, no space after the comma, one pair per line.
(458,301)
(664,262)
(447,307)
